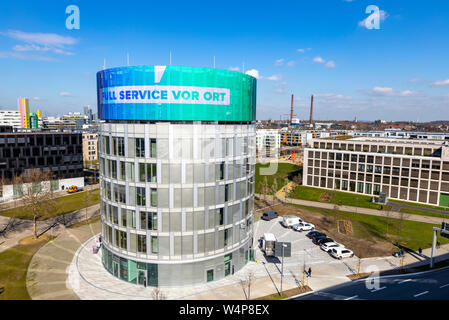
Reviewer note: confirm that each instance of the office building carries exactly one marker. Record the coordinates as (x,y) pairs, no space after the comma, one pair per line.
(408,170)
(268,143)
(90,146)
(10,118)
(177,150)
(60,153)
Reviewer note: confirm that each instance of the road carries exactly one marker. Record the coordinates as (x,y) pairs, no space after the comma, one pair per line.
(433,285)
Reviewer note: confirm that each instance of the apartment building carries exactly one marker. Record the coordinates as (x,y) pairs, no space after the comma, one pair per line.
(90,146)
(268,142)
(409,170)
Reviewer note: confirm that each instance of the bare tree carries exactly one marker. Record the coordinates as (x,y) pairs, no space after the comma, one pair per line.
(246,284)
(36,198)
(157,294)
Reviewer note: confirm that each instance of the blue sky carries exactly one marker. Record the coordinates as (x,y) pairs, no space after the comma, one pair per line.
(399,72)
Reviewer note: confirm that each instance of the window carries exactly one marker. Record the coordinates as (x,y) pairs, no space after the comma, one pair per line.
(226,237)
(153,195)
(210,275)
(140,147)
(122,170)
(123,240)
(140,196)
(141,243)
(154,244)
(148,220)
(147,172)
(221,216)
(131,218)
(130,171)
(222,170)
(120,146)
(226,192)
(153,148)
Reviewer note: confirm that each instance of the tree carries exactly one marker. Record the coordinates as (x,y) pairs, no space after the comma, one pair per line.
(246,284)
(157,294)
(36,198)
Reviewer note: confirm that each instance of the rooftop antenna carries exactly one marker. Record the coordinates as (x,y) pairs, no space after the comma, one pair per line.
(170,57)
(127,59)
(104,64)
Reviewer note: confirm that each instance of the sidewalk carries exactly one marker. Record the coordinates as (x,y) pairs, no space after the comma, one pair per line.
(17,229)
(374,212)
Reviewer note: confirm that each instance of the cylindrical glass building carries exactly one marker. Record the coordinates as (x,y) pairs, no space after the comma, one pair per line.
(177,154)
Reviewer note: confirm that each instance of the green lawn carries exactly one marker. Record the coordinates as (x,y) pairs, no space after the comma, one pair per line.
(277,180)
(413,235)
(421,212)
(70,203)
(418,204)
(13,269)
(337,197)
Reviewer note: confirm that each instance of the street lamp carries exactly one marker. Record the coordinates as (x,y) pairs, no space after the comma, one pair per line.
(282,266)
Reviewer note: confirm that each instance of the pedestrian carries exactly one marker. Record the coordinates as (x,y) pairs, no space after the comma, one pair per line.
(438,244)
(99,238)
(420,251)
(310,272)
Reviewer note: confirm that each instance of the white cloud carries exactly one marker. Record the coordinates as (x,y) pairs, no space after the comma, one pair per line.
(274,77)
(389,92)
(65,94)
(291,63)
(36,98)
(382,16)
(46,39)
(318,60)
(38,42)
(279,62)
(413,80)
(234,68)
(330,64)
(254,73)
(440,83)
(302,50)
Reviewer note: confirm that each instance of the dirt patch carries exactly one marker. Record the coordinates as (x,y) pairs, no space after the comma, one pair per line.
(359,276)
(325,197)
(286,293)
(361,242)
(30,240)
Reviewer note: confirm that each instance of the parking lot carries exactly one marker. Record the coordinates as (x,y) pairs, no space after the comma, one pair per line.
(304,253)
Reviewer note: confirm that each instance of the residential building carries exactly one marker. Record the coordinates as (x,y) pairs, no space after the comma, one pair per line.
(90,146)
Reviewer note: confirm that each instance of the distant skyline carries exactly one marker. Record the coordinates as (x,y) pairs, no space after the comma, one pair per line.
(399,72)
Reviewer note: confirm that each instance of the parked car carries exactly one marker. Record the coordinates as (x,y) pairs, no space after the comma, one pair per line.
(311,234)
(330,245)
(269,215)
(340,253)
(323,240)
(318,234)
(290,221)
(303,226)
(318,238)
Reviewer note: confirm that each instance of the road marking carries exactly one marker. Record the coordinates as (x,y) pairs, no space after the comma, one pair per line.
(381,288)
(353,297)
(444,286)
(403,281)
(420,294)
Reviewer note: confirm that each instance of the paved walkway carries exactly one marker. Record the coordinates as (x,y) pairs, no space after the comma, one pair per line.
(13,230)
(47,272)
(374,212)
(395,206)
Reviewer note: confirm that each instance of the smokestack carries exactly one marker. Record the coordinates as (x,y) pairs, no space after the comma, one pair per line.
(291,112)
(311,111)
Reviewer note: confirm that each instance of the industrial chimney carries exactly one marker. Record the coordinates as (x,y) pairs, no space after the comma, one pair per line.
(291,112)
(311,112)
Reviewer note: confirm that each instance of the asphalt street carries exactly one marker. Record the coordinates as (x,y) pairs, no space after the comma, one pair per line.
(433,285)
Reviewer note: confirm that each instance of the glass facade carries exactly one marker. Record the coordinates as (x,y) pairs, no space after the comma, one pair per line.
(176,198)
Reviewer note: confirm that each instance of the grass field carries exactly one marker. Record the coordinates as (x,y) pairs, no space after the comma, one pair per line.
(337,197)
(13,268)
(421,213)
(410,234)
(418,204)
(277,180)
(69,203)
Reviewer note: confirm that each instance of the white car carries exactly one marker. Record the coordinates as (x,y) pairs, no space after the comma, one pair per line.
(341,252)
(303,226)
(330,245)
(290,221)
